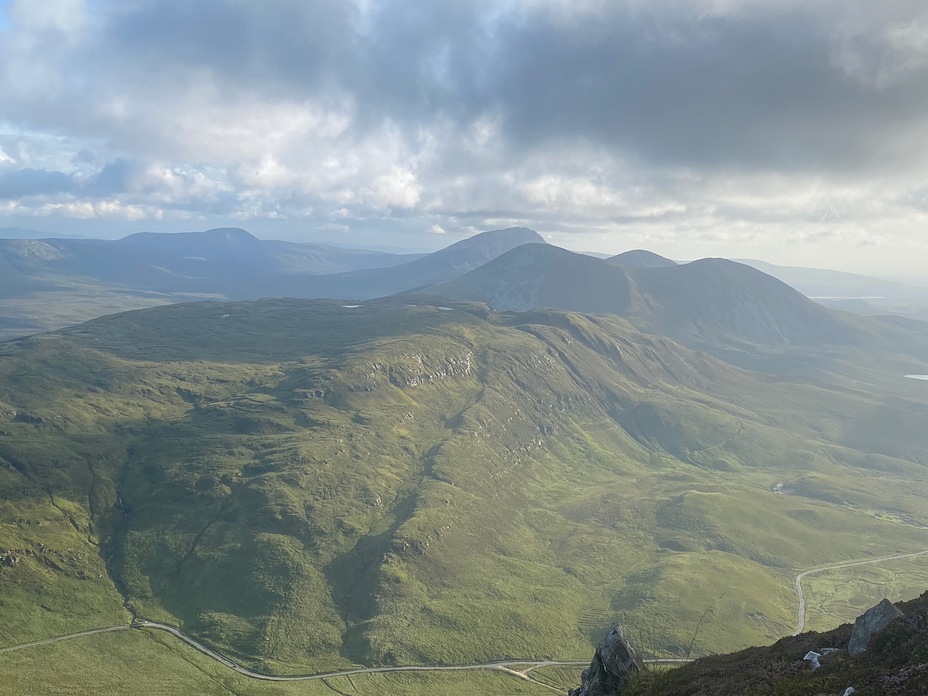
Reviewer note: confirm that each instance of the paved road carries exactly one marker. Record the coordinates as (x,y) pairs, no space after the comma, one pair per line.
(801,615)
(67,637)
(516,668)
(506,666)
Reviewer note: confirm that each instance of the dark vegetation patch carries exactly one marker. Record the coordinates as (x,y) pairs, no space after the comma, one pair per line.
(896,663)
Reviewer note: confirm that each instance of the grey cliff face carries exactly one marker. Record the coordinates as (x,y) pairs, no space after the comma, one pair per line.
(612,667)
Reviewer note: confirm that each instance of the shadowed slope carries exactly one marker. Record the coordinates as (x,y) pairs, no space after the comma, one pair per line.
(712,300)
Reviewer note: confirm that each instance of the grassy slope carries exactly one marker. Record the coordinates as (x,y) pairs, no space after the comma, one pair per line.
(306,486)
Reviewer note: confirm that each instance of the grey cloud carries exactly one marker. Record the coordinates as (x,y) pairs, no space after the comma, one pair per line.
(20,183)
(663,83)
(115,177)
(269,44)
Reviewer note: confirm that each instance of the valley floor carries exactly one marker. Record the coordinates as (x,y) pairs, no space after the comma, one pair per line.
(97,661)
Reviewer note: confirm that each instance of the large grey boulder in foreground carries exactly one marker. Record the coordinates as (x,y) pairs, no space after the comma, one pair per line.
(873,620)
(613,665)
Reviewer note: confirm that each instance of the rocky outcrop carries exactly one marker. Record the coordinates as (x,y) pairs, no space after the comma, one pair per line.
(873,620)
(612,667)
(8,558)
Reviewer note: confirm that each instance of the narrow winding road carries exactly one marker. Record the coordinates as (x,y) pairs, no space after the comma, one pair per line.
(70,636)
(801,615)
(517,668)
(510,667)
(506,666)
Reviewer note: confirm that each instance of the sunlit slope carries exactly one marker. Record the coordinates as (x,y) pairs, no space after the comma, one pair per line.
(305,485)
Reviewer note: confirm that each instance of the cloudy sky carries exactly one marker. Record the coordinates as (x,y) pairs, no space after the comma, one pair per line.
(778,129)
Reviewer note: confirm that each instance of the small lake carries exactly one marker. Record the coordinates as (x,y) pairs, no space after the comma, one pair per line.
(922,377)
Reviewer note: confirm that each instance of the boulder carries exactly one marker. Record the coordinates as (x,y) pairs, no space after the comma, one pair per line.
(873,620)
(612,667)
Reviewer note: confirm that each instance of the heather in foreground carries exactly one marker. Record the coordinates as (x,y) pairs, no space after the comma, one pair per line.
(895,663)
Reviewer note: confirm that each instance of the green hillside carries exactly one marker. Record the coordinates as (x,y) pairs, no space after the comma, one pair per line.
(306,486)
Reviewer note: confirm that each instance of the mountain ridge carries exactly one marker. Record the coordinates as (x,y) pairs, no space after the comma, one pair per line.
(712,300)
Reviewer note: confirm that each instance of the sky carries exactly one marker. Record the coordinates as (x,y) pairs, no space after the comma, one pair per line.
(795,132)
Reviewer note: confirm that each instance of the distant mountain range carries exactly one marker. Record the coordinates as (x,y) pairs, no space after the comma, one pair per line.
(704,304)
(450,262)
(234,263)
(21,233)
(827,284)
(48,283)
(708,301)
(855,293)
(184,262)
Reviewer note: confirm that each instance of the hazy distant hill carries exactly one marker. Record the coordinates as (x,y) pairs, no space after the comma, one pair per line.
(21,233)
(51,283)
(306,486)
(713,300)
(640,258)
(819,282)
(442,265)
(225,252)
(183,262)
(852,292)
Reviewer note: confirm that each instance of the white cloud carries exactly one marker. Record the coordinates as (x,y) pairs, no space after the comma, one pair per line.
(66,16)
(397,189)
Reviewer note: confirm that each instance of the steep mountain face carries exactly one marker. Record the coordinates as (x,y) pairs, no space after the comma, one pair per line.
(640,258)
(306,485)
